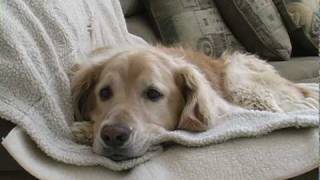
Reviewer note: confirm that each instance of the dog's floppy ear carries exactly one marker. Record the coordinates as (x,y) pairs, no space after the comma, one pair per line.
(82,85)
(197,110)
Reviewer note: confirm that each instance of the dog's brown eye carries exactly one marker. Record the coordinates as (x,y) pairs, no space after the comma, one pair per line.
(153,95)
(106,93)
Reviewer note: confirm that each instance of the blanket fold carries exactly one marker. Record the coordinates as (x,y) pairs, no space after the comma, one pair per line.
(42,40)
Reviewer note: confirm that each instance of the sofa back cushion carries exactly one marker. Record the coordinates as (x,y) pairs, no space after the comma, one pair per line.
(196,24)
(131,7)
(302,19)
(258,26)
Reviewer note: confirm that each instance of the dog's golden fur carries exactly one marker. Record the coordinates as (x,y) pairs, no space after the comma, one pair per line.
(196,90)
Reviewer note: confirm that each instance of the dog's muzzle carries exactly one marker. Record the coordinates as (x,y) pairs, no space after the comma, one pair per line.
(114,138)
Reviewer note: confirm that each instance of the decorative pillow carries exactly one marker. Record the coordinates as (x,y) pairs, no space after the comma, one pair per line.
(192,23)
(302,19)
(258,26)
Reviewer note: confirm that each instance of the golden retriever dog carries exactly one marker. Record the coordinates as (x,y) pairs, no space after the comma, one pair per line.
(123,97)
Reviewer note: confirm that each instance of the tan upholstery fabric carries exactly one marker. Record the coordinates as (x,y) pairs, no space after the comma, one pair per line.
(279,155)
(299,68)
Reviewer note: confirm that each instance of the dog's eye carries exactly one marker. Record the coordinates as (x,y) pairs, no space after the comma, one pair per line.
(153,95)
(106,93)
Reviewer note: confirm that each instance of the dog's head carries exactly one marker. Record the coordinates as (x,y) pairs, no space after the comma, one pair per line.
(134,95)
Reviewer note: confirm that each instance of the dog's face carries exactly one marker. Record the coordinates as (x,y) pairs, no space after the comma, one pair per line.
(133,96)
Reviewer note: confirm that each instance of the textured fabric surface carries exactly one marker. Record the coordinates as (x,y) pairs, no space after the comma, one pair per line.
(131,7)
(298,68)
(258,26)
(40,42)
(195,24)
(302,19)
(278,155)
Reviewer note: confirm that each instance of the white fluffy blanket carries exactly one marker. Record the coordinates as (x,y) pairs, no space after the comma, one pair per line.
(39,43)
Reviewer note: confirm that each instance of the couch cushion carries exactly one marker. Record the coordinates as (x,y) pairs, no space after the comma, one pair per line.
(258,26)
(131,7)
(140,25)
(311,80)
(195,24)
(302,20)
(298,69)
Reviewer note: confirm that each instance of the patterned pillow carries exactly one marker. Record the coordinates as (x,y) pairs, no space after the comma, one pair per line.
(258,26)
(194,23)
(302,19)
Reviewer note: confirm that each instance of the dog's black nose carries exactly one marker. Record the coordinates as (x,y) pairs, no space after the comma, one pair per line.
(115,135)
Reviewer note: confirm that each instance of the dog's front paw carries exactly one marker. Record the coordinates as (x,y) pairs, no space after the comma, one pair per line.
(83,132)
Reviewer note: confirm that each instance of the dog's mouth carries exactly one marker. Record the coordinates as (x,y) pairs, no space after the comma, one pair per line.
(119,157)
(124,153)
(118,154)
